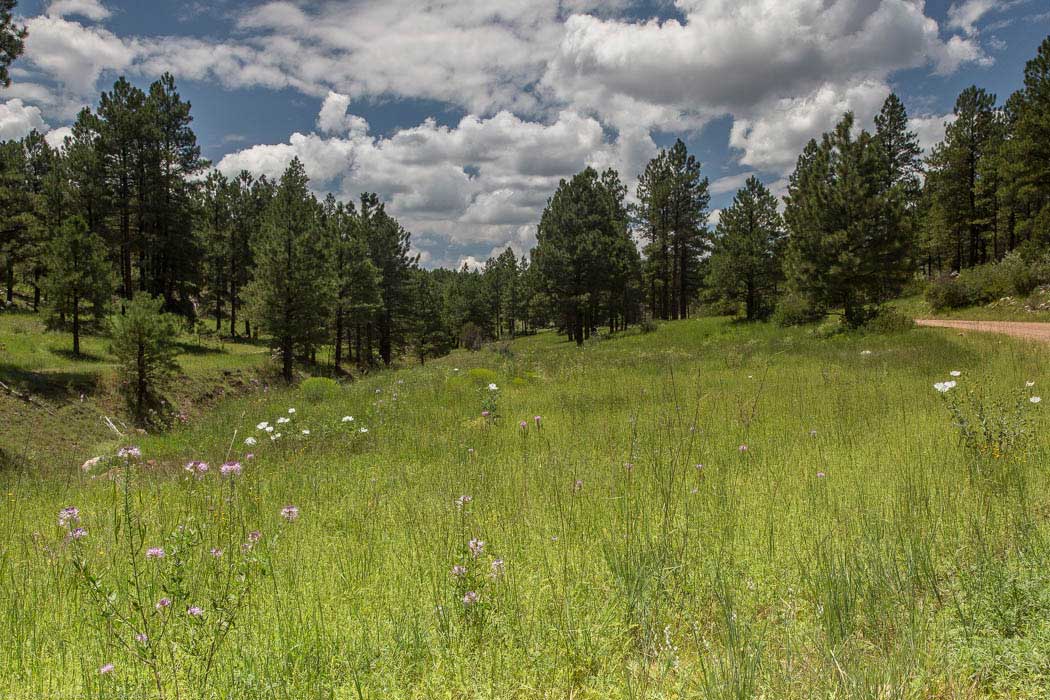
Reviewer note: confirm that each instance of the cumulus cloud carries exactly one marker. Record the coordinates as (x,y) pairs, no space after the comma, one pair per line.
(89,9)
(930,129)
(17,119)
(56,138)
(75,55)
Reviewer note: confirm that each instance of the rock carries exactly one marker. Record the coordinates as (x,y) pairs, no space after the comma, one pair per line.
(90,464)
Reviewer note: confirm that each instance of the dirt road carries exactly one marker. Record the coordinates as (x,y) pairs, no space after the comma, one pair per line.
(1018,329)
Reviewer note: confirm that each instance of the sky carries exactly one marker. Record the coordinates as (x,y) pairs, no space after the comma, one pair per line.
(463,115)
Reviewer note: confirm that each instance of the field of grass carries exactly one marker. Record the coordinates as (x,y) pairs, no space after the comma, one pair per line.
(67,395)
(839,540)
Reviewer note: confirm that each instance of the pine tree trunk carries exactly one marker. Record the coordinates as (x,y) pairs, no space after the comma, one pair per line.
(286,359)
(76,325)
(338,338)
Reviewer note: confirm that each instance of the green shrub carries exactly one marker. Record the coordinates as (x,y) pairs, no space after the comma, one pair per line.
(890,320)
(318,389)
(795,310)
(1014,275)
(648,326)
(144,343)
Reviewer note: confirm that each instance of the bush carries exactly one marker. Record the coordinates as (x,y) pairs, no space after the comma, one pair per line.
(1014,275)
(318,389)
(648,326)
(793,309)
(890,320)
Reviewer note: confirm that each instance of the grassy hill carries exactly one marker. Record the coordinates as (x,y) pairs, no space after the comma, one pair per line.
(839,539)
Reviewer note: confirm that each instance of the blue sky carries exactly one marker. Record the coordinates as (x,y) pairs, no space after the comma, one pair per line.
(464,114)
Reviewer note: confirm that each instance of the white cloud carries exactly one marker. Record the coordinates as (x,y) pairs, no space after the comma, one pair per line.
(334,119)
(17,120)
(89,9)
(75,55)
(773,138)
(930,129)
(729,183)
(56,137)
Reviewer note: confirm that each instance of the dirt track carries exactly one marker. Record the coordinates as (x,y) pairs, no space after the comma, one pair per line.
(1018,329)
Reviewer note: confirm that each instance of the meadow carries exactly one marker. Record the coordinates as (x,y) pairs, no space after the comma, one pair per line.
(710,510)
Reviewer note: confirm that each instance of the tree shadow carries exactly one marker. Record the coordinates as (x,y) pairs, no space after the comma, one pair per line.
(67,385)
(68,354)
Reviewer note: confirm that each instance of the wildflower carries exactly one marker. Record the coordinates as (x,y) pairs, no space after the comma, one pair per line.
(629,466)
(694,491)
(194,611)
(291,410)
(77,533)
(141,638)
(216,552)
(282,420)
(290,513)
(537,420)
(699,467)
(306,432)
(955,373)
(1029,384)
(249,457)
(106,669)
(577,486)
(1035,399)
(262,426)
(155,553)
(67,515)
(470,450)
(944,387)
(742,448)
(130,452)
(230,469)
(493,387)
(821,475)
(163,603)
(470,598)
(812,433)
(364,430)
(348,419)
(497,568)
(275,437)
(485,414)
(524,426)
(476,546)
(865,352)
(197,467)
(254,536)
(249,441)
(463,500)
(268,428)
(459,570)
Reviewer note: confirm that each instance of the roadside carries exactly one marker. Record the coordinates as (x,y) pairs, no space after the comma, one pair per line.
(1017,329)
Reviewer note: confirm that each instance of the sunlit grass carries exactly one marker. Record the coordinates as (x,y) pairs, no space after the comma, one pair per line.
(848,551)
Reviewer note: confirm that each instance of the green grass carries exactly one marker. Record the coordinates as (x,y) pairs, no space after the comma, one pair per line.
(903,572)
(70,395)
(917,307)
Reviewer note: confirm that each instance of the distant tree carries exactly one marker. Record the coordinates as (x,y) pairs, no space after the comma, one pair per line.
(430,337)
(389,249)
(900,147)
(583,249)
(78,273)
(144,342)
(849,246)
(293,289)
(672,214)
(746,264)
(1028,155)
(12,40)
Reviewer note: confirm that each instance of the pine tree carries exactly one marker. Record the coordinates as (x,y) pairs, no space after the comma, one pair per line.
(849,246)
(12,40)
(900,147)
(78,273)
(388,246)
(749,243)
(144,342)
(293,289)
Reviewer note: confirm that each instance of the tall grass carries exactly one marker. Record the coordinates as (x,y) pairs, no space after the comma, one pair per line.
(846,552)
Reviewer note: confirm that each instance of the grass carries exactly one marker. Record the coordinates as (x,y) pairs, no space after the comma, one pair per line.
(70,395)
(917,307)
(856,548)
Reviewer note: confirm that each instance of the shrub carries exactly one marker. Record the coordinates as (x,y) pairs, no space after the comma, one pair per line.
(890,320)
(1014,275)
(648,326)
(794,309)
(144,343)
(318,389)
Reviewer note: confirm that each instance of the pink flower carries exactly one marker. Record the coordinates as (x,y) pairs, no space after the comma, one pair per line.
(77,533)
(216,552)
(462,501)
(68,515)
(106,669)
(577,486)
(129,452)
(476,546)
(523,425)
(743,449)
(230,469)
(290,513)
(197,467)
(537,420)
(254,536)
(470,598)
(459,570)
(497,568)
(485,414)
(155,553)
(163,603)
(194,611)
(821,475)
(141,638)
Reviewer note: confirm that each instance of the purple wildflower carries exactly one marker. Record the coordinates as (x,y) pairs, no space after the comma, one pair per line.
(230,469)
(141,638)
(476,546)
(290,513)
(68,515)
(471,598)
(107,668)
(743,449)
(163,603)
(155,553)
(216,552)
(77,533)
(485,414)
(459,570)
(577,486)
(537,420)
(462,501)
(131,452)
(197,467)
(194,611)
(497,568)
(821,475)
(523,425)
